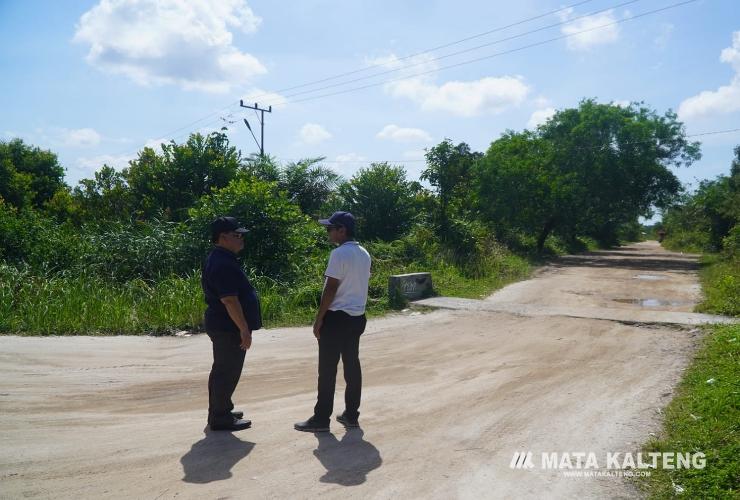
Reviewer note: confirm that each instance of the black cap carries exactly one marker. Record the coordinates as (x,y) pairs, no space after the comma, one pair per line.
(225,225)
(345,219)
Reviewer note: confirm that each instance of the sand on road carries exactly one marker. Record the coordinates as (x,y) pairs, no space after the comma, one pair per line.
(449,397)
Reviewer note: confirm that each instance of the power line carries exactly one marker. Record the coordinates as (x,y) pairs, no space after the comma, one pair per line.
(452,54)
(471,61)
(715,132)
(455,42)
(702,134)
(426,51)
(285,100)
(490,56)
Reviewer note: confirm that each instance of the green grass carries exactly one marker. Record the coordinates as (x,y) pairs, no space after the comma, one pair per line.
(705,414)
(720,278)
(70,303)
(704,417)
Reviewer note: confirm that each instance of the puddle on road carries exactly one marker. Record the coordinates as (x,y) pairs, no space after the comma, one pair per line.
(649,277)
(653,302)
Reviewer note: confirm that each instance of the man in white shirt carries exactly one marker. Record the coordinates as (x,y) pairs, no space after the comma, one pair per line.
(339,323)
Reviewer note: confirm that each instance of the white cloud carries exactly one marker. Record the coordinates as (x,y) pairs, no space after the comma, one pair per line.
(160,42)
(313,133)
(594,35)
(664,35)
(264,99)
(156,144)
(85,167)
(80,138)
(414,154)
(350,158)
(726,99)
(95,162)
(489,95)
(539,117)
(402,134)
(622,103)
(348,164)
(541,102)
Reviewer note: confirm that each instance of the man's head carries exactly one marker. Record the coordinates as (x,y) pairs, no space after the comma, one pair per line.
(340,227)
(227,233)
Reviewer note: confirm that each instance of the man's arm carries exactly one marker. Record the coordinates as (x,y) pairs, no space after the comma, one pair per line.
(234,308)
(330,291)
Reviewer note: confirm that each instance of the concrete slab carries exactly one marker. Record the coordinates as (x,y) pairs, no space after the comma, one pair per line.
(611,314)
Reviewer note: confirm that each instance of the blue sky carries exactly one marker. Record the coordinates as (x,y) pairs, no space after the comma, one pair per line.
(95,81)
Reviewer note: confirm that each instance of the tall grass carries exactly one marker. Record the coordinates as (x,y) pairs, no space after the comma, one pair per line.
(73,303)
(720,277)
(83,302)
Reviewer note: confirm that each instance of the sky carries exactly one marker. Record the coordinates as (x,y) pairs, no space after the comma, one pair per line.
(96,81)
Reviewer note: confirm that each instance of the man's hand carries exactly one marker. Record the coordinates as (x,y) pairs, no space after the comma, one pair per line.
(317,328)
(246,336)
(327,296)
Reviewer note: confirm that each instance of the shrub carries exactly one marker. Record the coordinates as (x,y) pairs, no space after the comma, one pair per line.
(280,240)
(33,239)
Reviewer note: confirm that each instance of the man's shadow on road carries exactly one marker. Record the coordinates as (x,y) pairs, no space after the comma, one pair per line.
(212,458)
(347,462)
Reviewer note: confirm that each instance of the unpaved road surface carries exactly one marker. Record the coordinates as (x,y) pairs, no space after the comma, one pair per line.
(449,397)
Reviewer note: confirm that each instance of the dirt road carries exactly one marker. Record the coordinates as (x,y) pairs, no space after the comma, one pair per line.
(449,397)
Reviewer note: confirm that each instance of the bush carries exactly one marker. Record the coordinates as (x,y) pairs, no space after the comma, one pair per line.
(382,199)
(280,240)
(721,285)
(731,244)
(32,239)
(147,250)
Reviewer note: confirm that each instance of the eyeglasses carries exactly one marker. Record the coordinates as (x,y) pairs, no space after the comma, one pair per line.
(331,228)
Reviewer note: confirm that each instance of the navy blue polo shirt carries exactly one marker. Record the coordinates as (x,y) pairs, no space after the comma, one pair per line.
(223,277)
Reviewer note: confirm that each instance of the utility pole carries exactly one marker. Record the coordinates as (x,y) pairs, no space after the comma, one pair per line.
(261,142)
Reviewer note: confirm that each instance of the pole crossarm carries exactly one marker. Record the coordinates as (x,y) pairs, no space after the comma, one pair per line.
(261,118)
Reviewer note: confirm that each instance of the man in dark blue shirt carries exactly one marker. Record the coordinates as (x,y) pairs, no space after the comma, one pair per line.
(233,313)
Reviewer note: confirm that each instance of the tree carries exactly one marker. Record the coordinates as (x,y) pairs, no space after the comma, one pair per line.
(308,184)
(105,196)
(381,199)
(587,171)
(167,184)
(265,168)
(448,171)
(280,237)
(621,157)
(29,176)
(705,218)
(519,188)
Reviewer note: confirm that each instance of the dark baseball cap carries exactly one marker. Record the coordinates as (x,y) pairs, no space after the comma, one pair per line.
(225,225)
(345,219)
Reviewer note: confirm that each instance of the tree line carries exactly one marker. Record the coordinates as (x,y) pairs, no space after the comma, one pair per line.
(589,171)
(708,220)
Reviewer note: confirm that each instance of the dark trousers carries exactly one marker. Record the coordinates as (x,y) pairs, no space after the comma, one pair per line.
(228,361)
(339,337)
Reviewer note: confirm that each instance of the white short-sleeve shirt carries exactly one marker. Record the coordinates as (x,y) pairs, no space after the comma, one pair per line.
(350,264)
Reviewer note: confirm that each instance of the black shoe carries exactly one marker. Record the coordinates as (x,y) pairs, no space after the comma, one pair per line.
(347,422)
(310,425)
(236,424)
(236,414)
